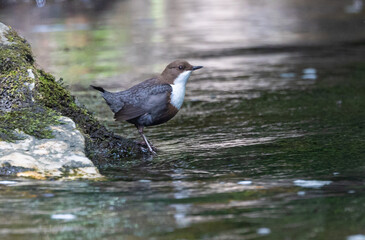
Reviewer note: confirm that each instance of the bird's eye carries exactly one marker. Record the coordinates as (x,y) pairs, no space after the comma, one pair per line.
(181,67)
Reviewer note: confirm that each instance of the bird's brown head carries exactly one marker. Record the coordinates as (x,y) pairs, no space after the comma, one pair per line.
(174,69)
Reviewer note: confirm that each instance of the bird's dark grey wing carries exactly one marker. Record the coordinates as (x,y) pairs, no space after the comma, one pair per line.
(145,99)
(128,112)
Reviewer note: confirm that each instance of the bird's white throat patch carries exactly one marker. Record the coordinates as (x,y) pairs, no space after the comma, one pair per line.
(178,89)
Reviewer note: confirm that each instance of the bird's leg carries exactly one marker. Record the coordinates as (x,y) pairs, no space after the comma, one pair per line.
(140,130)
(142,143)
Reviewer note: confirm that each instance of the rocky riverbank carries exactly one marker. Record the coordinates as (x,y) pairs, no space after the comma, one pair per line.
(43,132)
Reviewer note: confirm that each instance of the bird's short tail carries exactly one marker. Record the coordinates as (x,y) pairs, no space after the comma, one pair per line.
(114,101)
(98,88)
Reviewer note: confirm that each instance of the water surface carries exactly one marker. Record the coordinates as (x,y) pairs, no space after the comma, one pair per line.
(269,143)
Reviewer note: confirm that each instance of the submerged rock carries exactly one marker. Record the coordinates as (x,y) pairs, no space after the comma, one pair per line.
(35,140)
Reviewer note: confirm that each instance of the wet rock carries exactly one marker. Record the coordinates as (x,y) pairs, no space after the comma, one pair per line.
(50,157)
(35,140)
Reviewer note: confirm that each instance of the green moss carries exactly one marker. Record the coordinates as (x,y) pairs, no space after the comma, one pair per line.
(16,92)
(53,95)
(17,108)
(16,55)
(15,59)
(33,121)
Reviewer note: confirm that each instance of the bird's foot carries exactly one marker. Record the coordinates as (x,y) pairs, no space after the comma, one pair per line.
(143,144)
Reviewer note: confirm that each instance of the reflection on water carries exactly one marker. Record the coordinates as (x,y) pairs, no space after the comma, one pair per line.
(122,41)
(269,142)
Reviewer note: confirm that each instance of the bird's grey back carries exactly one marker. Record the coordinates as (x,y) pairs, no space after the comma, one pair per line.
(136,95)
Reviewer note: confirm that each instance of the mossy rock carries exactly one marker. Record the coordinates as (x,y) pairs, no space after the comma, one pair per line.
(31,100)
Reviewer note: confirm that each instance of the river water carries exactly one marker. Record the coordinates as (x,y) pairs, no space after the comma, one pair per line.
(269,144)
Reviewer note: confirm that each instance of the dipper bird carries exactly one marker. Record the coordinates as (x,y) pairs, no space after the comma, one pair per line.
(153,101)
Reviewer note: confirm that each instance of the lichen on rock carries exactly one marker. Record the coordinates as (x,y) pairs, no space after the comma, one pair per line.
(61,156)
(31,104)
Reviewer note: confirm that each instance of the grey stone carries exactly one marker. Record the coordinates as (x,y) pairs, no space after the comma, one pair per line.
(50,157)
(18,159)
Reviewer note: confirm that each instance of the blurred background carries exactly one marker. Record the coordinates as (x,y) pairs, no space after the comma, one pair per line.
(269,143)
(116,41)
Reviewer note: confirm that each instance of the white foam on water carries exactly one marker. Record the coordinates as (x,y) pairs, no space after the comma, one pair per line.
(8,182)
(144,181)
(309,71)
(244,182)
(263,231)
(309,76)
(301,193)
(311,183)
(65,216)
(287,75)
(355,7)
(356,237)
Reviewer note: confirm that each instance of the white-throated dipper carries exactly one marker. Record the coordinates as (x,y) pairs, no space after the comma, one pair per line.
(153,101)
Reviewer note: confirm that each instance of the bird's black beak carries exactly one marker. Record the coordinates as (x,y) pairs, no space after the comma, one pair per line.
(196,67)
